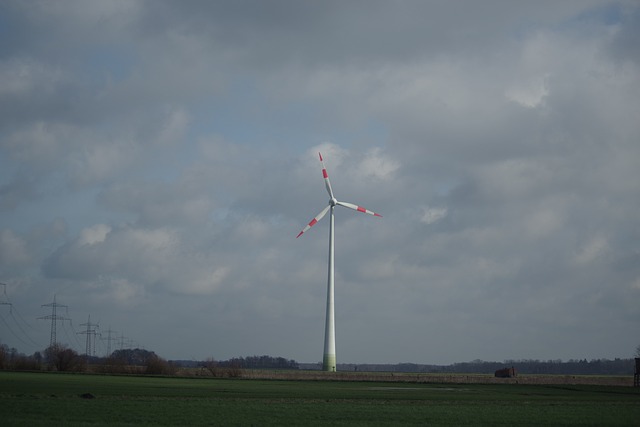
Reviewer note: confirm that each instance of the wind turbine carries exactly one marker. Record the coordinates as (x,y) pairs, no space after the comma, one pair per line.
(329,357)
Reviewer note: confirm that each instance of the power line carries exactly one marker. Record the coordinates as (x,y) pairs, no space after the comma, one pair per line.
(108,340)
(5,297)
(22,318)
(12,308)
(22,330)
(73,334)
(122,337)
(100,344)
(11,330)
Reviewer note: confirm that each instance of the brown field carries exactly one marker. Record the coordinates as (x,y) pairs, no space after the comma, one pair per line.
(265,374)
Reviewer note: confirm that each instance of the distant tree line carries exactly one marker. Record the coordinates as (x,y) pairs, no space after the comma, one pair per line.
(524,366)
(235,367)
(63,359)
(250,362)
(11,358)
(131,361)
(55,358)
(259,362)
(139,361)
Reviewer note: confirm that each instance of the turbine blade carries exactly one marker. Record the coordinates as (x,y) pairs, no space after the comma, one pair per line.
(357,208)
(314,221)
(325,175)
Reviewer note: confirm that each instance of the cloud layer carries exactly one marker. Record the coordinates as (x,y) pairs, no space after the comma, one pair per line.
(157,160)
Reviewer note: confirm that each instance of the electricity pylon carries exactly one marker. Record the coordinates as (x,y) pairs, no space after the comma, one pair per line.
(89,332)
(109,339)
(54,318)
(5,297)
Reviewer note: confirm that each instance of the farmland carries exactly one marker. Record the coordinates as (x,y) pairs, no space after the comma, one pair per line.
(56,399)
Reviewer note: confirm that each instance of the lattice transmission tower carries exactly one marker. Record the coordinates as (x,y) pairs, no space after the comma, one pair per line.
(109,339)
(54,317)
(90,332)
(5,297)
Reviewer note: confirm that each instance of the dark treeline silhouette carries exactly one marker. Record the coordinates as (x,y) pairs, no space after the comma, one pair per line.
(55,358)
(524,366)
(135,356)
(63,359)
(249,362)
(11,358)
(259,362)
(139,361)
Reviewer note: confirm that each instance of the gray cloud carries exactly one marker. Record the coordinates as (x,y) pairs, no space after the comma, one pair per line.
(157,160)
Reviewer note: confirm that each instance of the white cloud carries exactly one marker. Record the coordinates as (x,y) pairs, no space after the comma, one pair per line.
(547,218)
(100,162)
(331,152)
(254,229)
(515,177)
(432,214)
(92,235)
(593,249)
(174,128)
(122,292)
(377,165)
(529,93)
(531,74)
(24,76)
(13,250)
(209,283)
(35,144)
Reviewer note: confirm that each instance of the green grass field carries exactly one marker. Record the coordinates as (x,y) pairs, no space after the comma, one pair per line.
(33,399)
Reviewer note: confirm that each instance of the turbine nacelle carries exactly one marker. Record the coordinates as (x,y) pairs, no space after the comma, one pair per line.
(332,202)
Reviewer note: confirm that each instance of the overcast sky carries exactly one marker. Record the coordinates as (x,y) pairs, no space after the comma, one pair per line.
(158,159)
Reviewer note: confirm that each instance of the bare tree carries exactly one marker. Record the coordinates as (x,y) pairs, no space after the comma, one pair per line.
(235,368)
(156,365)
(4,356)
(212,366)
(61,358)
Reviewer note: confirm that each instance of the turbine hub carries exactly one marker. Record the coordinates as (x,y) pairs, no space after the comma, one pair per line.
(333,201)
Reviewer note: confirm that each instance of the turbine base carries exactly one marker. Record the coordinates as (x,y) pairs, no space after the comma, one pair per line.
(329,363)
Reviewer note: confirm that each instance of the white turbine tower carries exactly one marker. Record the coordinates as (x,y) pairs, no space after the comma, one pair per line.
(329,357)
